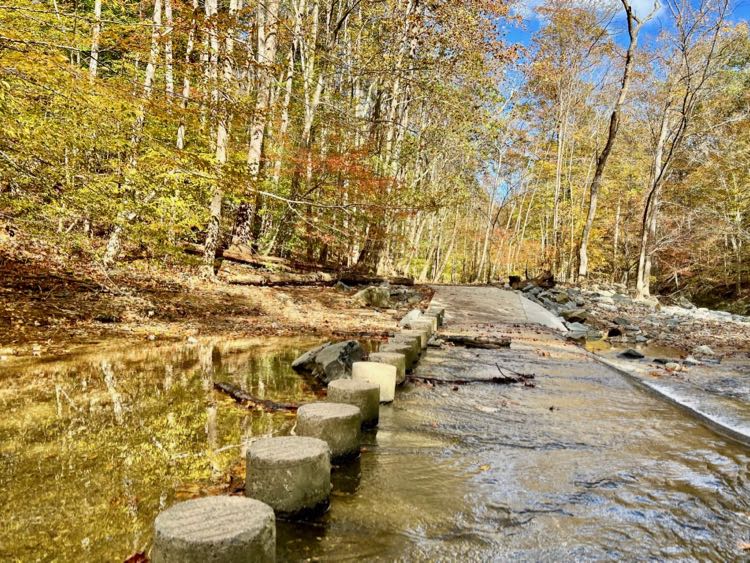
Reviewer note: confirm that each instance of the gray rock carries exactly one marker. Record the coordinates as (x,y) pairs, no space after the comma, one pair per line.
(640,338)
(374,296)
(221,529)
(329,361)
(631,354)
(703,351)
(291,474)
(411,316)
(341,286)
(622,321)
(576,316)
(577,327)
(691,361)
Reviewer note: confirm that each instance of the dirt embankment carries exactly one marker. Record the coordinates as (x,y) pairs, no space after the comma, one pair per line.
(51,307)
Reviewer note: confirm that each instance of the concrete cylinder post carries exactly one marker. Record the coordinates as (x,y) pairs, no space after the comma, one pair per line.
(339,425)
(435,318)
(361,394)
(423,334)
(383,375)
(414,340)
(393,358)
(405,348)
(439,312)
(425,323)
(292,474)
(220,529)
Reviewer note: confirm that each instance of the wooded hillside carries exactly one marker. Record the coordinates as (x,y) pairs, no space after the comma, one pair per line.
(399,137)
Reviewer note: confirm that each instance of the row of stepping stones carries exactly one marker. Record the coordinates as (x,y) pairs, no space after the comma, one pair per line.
(291,475)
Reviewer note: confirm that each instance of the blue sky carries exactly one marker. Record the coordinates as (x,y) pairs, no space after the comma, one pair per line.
(522,33)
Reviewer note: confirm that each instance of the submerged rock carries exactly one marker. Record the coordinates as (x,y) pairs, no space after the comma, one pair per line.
(329,361)
(632,354)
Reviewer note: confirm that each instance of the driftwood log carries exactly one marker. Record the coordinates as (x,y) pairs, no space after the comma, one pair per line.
(350,278)
(253,403)
(476,341)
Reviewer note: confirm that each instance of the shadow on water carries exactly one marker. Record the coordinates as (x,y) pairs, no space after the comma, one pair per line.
(583,466)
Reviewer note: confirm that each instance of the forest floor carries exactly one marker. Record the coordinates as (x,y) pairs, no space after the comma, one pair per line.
(52,306)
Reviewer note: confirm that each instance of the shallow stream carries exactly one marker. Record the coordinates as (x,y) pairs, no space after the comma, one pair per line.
(582,466)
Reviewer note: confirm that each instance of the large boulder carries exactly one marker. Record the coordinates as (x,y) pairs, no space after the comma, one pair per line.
(329,361)
(374,296)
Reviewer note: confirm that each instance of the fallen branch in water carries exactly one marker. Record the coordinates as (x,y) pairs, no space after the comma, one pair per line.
(248,401)
(477,342)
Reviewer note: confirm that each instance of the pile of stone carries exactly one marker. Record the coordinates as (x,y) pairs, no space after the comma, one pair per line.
(609,312)
(385,296)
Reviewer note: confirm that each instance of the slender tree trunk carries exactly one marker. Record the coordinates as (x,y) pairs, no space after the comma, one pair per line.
(247,225)
(96,31)
(190,46)
(168,56)
(634,26)
(114,243)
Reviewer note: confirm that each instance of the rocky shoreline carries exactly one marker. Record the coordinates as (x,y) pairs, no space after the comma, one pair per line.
(610,314)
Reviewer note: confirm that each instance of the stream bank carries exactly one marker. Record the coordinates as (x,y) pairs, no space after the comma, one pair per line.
(49,310)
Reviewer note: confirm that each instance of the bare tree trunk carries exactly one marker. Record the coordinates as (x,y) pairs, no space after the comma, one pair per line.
(247,224)
(114,244)
(648,219)
(213,229)
(186,77)
(96,31)
(168,57)
(634,26)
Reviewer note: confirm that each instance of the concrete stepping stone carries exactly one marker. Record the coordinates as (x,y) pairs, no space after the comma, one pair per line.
(405,348)
(423,334)
(383,375)
(393,358)
(414,340)
(425,323)
(219,529)
(292,474)
(439,312)
(335,423)
(361,394)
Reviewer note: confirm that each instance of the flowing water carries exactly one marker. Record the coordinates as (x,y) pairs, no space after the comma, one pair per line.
(582,466)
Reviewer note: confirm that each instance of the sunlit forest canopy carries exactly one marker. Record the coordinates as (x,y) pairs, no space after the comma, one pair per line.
(457,141)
